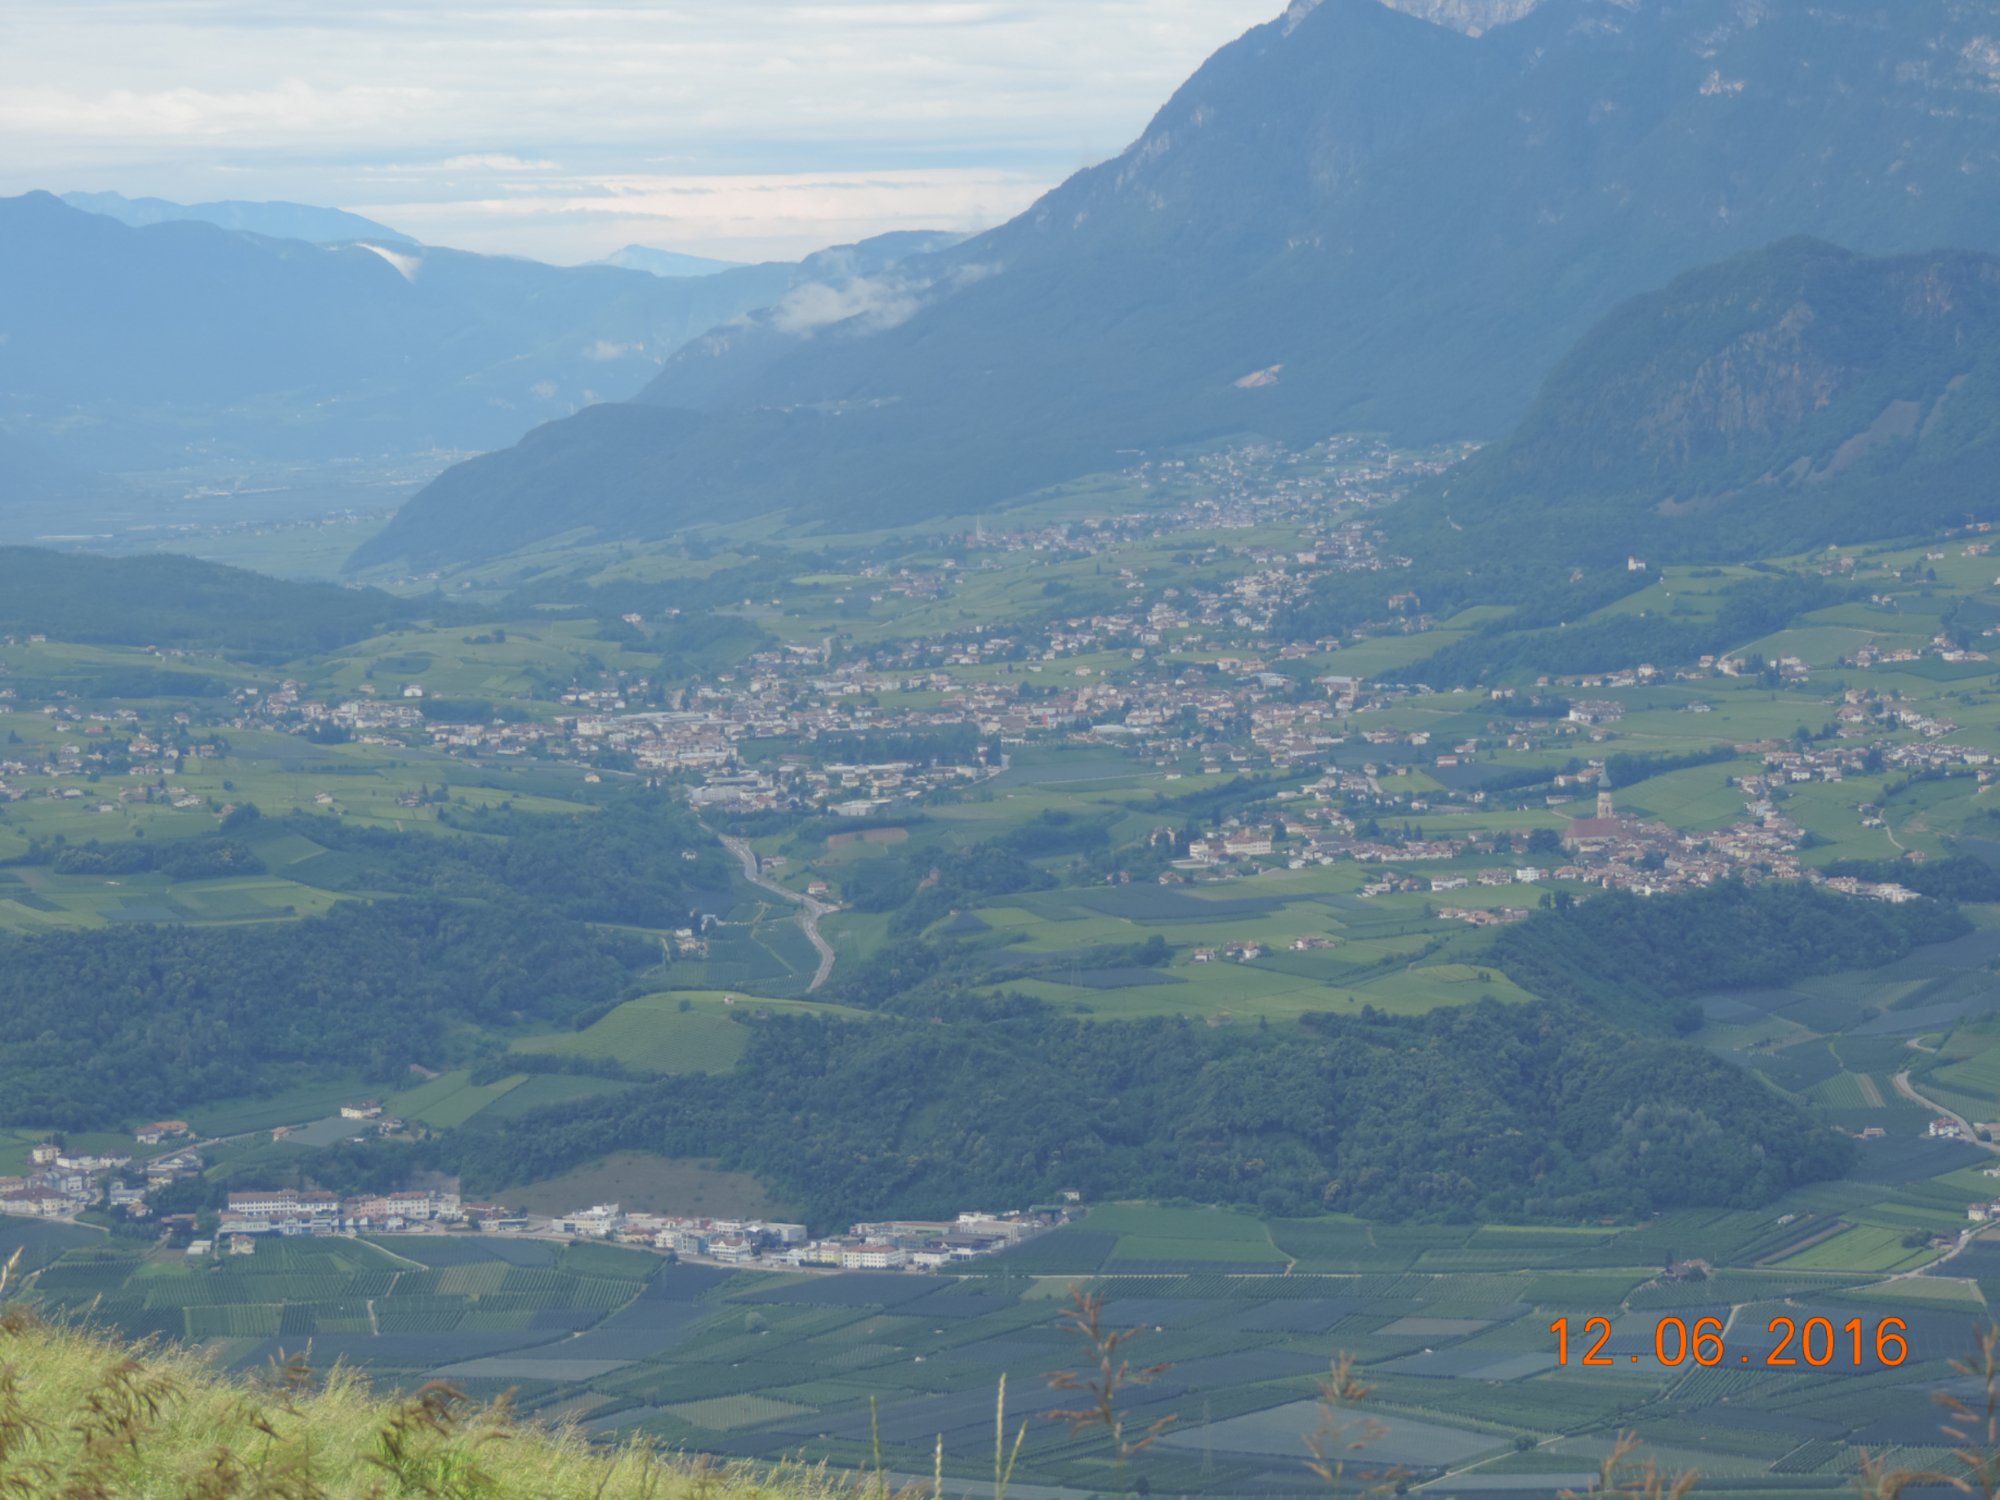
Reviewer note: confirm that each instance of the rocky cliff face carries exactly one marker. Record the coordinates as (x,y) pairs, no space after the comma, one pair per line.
(1802,394)
(1473,17)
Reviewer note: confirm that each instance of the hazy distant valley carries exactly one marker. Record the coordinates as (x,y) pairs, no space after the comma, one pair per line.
(1371,732)
(231,363)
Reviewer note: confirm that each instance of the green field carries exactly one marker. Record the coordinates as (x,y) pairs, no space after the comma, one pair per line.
(1462,1362)
(1057,874)
(684,1031)
(648,1184)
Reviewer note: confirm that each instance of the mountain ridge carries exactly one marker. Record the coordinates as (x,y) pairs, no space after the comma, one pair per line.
(1771,405)
(1796,396)
(128,349)
(1473,17)
(666,263)
(1349,219)
(276,219)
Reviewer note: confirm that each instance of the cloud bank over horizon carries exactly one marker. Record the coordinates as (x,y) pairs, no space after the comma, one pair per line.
(761,129)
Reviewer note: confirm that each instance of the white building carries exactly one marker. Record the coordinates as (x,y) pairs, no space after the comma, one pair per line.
(872,1257)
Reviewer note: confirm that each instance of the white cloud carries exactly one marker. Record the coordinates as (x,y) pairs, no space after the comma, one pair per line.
(740,216)
(407,266)
(878,304)
(875,302)
(497,162)
(292,110)
(432,112)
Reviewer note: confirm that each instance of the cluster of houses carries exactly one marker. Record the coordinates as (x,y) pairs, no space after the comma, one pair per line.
(1232,708)
(291,1212)
(1231,696)
(916,1245)
(809,691)
(1608,850)
(893,1245)
(59,1183)
(110,741)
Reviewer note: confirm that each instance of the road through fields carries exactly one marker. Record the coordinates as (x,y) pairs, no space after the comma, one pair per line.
(810,910)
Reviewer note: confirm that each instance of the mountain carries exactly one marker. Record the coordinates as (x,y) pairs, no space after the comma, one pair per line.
(184,603)
(1473,17)
(184,343)
(669,263)
(1351,218)
(1790,398)
(284,221)
(1774,404)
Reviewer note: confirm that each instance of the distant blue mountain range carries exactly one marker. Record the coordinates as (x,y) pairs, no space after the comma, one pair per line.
(137,335)
(280,221)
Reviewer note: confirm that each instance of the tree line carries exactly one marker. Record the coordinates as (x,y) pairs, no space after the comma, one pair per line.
(1490,1112)
(1640,960)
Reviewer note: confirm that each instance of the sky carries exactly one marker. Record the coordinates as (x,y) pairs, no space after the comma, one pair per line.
(741,129)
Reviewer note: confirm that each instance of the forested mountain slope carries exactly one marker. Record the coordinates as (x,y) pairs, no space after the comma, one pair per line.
(1781,401)
(1350,218)
(1793,397)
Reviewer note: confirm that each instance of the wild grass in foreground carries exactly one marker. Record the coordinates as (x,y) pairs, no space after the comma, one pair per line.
(83,1418)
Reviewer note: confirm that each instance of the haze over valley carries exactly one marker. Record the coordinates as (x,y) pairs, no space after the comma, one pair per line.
(1289,771)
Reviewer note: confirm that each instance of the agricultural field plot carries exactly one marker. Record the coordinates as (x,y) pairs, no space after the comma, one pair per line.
(728,1413)
(1976,1073)
(453,1098)
(1862,1248)
(667,1033)
(1848,1091)
(1259,991)
(35,900)
(752,1365)
(307,1102)
(516,662)
(1387,654)
(38,1244)
(1695,799)
(544,1090)
(1169,1236)
(651,1184)
(1321,948)
(767,951)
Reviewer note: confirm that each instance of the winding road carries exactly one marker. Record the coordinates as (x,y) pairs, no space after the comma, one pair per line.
(1904,1087)
(810,909)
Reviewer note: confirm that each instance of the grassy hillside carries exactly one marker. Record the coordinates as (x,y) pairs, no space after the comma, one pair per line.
(81,1415)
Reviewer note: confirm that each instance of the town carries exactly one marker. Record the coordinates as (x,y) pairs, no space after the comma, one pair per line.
(1194,674)
(61,1186)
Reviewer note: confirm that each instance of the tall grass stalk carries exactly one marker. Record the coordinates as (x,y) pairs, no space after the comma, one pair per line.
(1104,1377)
(1626,1473)
(1340,1436)
(1003,1472)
